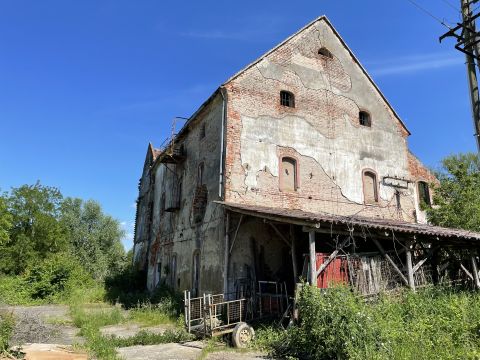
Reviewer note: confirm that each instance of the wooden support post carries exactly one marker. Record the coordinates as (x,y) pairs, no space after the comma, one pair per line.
(294,254)
(313,258)
(389,259)
(226,256)
(411,279)
(475,272)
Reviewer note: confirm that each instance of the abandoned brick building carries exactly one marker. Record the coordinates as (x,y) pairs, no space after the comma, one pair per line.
(296,159)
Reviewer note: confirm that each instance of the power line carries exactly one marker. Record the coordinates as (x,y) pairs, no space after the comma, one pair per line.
(451,5)
(421,8)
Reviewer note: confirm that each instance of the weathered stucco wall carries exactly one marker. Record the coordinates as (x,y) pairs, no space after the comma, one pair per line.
(322,130)
(198,225)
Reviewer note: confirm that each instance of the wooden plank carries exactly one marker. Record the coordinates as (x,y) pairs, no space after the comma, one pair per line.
(430,253)
(411,279)
(236,232)
(313,258)
(389,259)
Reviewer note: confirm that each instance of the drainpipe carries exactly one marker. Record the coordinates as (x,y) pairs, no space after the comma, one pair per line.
(220,180)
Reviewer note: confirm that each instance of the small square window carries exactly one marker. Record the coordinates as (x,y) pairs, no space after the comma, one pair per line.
(287,99)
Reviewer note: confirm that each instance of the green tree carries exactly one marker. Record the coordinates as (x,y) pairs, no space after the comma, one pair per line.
(457,197)
(95,238)
(35,232)
(5,221)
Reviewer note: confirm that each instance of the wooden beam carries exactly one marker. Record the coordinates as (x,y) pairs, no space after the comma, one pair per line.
(475,272)
(236,232)
(332,256)
(313,258)
(280,235)
(294,254)
(430,252)
(411,279)
(466,271)
(389,259)
(352,233)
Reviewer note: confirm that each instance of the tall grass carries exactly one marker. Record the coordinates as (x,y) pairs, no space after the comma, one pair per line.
(7,324)
(437,323)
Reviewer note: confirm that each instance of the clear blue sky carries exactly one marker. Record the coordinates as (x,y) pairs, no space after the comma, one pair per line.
(85,85)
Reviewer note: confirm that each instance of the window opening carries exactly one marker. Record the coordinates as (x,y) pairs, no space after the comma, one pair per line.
(287,99)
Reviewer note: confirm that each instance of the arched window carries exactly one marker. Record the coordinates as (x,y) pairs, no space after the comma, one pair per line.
(424,193)
(287,99)
(364,118)
(325,52)
(288,174)
(370,187)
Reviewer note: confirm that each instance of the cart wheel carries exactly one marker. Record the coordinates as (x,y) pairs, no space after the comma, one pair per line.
(242,335)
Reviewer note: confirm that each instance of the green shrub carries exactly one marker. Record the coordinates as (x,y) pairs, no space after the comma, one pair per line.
(7,324)
(436,323)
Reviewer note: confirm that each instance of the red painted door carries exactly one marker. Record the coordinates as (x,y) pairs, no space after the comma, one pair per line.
(335,273)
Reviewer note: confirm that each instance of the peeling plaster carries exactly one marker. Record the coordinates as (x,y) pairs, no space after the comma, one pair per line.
(342,158)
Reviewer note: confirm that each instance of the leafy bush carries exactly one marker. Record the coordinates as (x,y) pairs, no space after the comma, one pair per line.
(435,323)
(7,323)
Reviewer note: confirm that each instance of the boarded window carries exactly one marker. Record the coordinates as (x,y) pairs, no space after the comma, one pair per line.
(424,193)
(287,99)
(364,119)
(370,187)
(288,174)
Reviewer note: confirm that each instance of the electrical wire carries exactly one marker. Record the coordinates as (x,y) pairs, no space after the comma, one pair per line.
(421,8)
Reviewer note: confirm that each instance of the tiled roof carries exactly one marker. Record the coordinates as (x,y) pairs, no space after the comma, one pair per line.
(309,218)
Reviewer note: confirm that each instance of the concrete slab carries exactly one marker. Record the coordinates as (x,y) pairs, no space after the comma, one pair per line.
(186,351)
(52,352)
(124,331)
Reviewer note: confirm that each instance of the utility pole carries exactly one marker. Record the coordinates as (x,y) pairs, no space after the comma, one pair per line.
(468,41)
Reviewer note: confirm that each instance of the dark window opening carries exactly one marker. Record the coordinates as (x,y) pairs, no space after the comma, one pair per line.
(325,52)
(201,169)
(162,203)
(364,119)
(202,131)
(287,99)
(424,193)
(288,174)
(179,192)
(196,273)
(370,192)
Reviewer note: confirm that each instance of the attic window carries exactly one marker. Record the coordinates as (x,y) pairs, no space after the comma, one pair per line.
(364,119)
(287,99)
(202,131)
(325,52)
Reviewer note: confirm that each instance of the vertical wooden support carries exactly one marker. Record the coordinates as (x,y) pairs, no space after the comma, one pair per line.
(313,258)
(475,272)
(226,256)
(294,254)
(411,279)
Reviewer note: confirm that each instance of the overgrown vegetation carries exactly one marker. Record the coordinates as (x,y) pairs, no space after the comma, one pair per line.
(7,324)
(50,246)
(437,323)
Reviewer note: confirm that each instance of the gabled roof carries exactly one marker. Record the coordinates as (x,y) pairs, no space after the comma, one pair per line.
(325,19)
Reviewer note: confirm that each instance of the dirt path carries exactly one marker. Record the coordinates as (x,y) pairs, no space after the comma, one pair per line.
(43,324)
